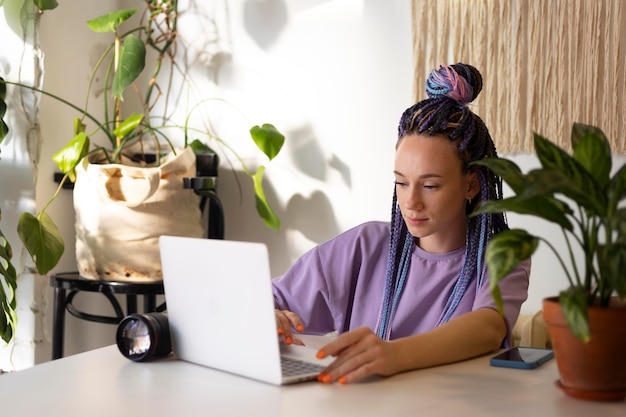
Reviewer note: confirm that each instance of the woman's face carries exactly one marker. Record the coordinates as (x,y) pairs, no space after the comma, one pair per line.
(432,191)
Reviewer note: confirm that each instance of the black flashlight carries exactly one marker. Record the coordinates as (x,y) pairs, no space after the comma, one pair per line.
(143,337)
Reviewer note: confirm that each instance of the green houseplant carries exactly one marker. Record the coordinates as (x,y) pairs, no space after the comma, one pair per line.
(124,62)
(576,192)
(127,73)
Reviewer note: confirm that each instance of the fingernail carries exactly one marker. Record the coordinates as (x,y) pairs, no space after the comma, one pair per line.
(288,340)
(342,380)
(280,331)
(326,379)
(321,376)
(300,328)
(320,354)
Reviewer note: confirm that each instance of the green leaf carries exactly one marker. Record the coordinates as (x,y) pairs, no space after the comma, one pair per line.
(109,22)
(547,182)
(616,190)
(504,252)
(79,126)
(612,263)
(546,208)
(268,139)
(617,222)
(508,170)
(553,157)
(573,301)
(4,129)
(7,269)
(6,253)
(262,206)
(593,151)
(42,239)
(132,62)
(8,319)
(128,126)
(200,147)
(46,4)
(8,285)
(68,157)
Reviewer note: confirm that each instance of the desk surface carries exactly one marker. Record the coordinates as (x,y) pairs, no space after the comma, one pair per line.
(104,383)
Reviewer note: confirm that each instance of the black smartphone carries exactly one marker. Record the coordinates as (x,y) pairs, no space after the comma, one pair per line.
(522,357)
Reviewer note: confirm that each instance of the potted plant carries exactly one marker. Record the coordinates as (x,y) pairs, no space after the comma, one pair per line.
(129,133)
(587,321)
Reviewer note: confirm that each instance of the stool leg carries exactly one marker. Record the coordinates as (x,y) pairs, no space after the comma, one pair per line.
(131,303)
(58,323)
(216,217)
(149,303)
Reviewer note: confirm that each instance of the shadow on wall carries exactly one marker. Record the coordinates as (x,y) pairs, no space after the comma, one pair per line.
(312,216)
(305,221)
(306,152)
(264,20)
(308,156)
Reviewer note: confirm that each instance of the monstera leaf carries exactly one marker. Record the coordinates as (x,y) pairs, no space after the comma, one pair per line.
(8,285)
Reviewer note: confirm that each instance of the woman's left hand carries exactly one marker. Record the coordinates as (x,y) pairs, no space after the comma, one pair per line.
(359,354)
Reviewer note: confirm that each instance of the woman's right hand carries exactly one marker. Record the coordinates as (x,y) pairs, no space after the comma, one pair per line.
(286,321)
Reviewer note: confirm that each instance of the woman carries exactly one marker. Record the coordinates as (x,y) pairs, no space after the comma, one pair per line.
(413,293)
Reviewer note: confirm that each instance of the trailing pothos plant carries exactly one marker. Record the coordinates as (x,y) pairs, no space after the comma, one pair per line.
(123,62)
(576,192)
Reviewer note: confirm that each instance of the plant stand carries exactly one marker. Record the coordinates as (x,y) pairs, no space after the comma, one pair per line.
(68,284)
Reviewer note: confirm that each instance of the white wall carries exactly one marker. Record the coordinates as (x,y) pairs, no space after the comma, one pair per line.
(334,75)
(339,76)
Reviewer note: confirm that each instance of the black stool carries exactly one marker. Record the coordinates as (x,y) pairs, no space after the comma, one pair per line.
(204,185)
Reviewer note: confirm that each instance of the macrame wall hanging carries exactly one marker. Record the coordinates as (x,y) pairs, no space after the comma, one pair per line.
(545,64)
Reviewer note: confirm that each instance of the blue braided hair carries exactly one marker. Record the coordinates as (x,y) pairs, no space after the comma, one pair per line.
(450,89)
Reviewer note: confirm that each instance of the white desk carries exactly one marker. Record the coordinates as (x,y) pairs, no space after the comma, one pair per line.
(104,383)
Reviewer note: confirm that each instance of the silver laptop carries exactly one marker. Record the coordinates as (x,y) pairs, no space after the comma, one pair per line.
(221,310)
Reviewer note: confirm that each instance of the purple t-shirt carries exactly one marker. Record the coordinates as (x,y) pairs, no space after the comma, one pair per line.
(339,285)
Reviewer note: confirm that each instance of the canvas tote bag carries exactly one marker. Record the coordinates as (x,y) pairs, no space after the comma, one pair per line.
(122,210)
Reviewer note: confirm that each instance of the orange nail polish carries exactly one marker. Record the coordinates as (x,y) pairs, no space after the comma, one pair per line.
(280,331)
(326,379)
(321,376)
(288,340)
(300,328)
(342,380)
(320,354)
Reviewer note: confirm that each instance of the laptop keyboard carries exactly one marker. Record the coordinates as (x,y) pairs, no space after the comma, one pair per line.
(291,367)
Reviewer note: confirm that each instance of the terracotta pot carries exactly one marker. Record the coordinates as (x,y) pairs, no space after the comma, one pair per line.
(595,370)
